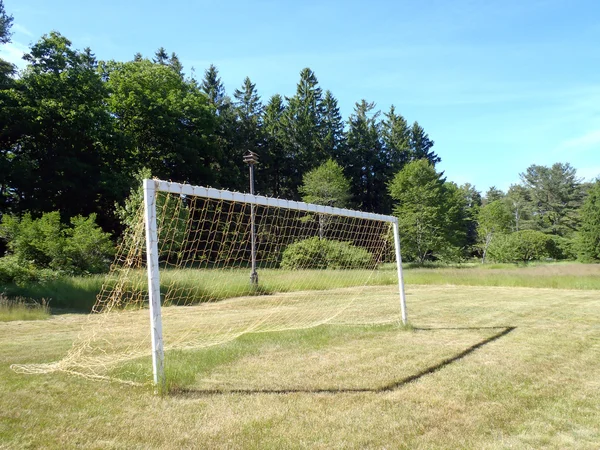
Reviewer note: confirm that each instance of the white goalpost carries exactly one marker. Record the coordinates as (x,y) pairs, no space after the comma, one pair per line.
(211,265)
(151,187)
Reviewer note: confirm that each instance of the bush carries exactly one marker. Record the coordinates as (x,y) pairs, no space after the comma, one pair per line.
(522,246)
(11,271)
(43,249)
(316,253)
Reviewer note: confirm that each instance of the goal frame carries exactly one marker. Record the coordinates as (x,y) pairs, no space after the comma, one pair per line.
(152,186)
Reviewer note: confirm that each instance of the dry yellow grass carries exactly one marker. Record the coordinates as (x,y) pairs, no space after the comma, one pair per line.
(485,367)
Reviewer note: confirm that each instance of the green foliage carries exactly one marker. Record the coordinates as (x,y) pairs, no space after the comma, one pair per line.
(556,195)
(326,185)
(23,273)
(420,145)
(41,249)
(334,139)
(302,133)
(518,199)
(471,205)
(563,248)
(430,213)
(493,194)
(362,157)
(494,218)
(86,247)
(6,22)
(522,246)
(165,120)
(61,149)
(588,240)
(169,208)
(317,253)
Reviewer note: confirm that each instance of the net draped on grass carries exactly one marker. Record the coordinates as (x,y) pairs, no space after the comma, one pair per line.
(204,249)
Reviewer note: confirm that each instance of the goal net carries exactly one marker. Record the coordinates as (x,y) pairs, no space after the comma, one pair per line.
(205,266)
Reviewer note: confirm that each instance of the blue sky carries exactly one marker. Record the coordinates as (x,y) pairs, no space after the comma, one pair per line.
(498,85)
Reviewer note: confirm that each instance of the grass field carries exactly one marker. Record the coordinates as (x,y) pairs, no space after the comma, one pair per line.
(483,367)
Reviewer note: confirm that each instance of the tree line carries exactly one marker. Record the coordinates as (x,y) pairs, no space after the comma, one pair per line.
(76,134)
(75,131)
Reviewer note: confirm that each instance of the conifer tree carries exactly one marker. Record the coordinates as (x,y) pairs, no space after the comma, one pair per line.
(175,64)
(334,139)
(161,57)
(589,233)
(362,158)
(420,145)
(303,127)
(275,164)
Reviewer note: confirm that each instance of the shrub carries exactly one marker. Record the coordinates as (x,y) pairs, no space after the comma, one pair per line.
(43,249)
(11,271)
(316,253)
(522,246)
(87,248)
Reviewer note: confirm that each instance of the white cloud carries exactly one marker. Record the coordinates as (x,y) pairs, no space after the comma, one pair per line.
(13,53)
(21,29)
(587,141)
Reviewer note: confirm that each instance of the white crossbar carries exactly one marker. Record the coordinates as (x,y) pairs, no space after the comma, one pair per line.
(199,191)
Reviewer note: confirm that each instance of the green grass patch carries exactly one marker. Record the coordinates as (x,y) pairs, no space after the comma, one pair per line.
(183,368)
(457,380)
(22,309)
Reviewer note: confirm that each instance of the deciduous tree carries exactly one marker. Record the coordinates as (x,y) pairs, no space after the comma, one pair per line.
(425,208)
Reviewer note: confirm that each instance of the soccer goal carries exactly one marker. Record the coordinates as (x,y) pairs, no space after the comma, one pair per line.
(210,265)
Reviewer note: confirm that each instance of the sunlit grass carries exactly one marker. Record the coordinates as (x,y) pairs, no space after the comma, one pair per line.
(445,383)
(551,276)
(22,309)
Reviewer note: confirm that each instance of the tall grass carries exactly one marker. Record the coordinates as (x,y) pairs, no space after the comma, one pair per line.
(550,276)
(22,309)
(66,292)
(80,293)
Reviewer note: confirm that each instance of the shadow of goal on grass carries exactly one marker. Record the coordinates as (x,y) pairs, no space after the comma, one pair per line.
(503,331)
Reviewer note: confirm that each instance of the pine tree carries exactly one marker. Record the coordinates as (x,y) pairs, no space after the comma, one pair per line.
(275,164)
(213,88)
(231,167)
(396,136)
(248,104)
(161,57)
(556,196)
(493,194)
(303,127)
(175,64)
(334,138)
(420,145)
(362,159)
(249,122)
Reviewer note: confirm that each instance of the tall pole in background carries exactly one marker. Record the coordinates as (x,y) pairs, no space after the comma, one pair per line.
(251,159)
